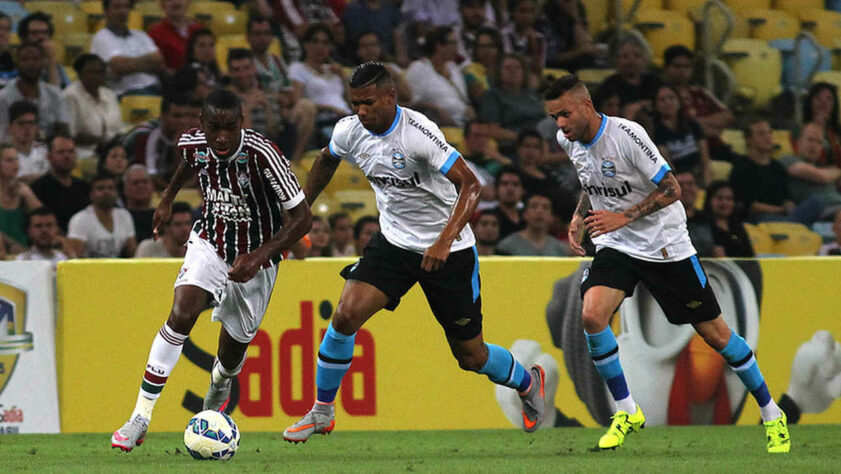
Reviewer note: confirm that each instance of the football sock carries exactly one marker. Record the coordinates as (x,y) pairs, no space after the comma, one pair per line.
(166,348)
(220,374)
(738,355)
(334,357)
(605,354)
(503,369)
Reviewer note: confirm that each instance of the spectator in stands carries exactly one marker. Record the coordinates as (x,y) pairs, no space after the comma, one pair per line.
(509,193)
(420,17)
(16,199)
(569,44)
(52,113)
(484,70)
(132,57)
(262,112)
(319,236)
(153,143)
(523,38)
(478,150)
(138,189)
(172,33)
(833,248)
(534,239)
(678,136)
(700,104)
(102,230)
(608,102)
(381,17)
(486,229)
(365,228)
(38,28)
(473,20)
(201,57)
(512,105)
(93,111)
(320,79)
(761,183)
(341,235)
(58,189)
(47,244)
(113,159)
(821,107)
(176,232)
(697,222)
(535,177)
(23,130)
(728,230)
(807,178)
(368,49)
(438,86)
(8,69)
(299,15)
(632,81)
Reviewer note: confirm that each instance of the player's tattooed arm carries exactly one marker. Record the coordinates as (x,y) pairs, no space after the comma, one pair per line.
(667,192)
(576,225)
(322,171)
(583,204)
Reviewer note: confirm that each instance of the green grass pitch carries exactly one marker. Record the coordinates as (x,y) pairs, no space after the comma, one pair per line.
(732,449)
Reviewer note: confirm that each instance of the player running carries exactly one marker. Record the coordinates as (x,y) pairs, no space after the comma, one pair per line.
(629,207)
(425,196)
(232,253)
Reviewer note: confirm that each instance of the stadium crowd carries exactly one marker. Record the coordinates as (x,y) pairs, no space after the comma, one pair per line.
(79,179)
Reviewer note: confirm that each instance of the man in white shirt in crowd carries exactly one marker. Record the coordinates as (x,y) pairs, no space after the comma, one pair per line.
(47,244)
(23,128)
(93,111)
(132,57)
(172,244)
(102,230)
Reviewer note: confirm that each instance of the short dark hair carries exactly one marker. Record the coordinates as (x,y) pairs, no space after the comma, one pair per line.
(173,98)
(360,224)
(471,3)
(255,18)
(336,217)
(38,211)
(236,54)
(23,25)
(107,3)
(102,177)
(528,133)
(52,138)
(561,86)
(84,59)
(436,36)
(747,129)
(222,99)
(314,29)
(180,207)
(508,169)
(29,44)
(677,51)
(22,107)
(370,73)
(537,194)
(495,35)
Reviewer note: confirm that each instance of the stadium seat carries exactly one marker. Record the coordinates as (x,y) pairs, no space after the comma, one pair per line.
(229,23)
(357,202)
(792,239)
(740,6)
(811,56)
(347,176)
(747,58)
(454,136)
(771,24)
(721,169)
(93,9)
(325,205)
(687,7)
(736,139)
(138,108)
(782,143)
(74,45)
(151,13)
(598,13)
(50,7)
(191,196)
(794,7)
(594,77)
(664,28)
(225,43)
(760,240)
(645,5)
(550,74)
(204,10)
(824,24)
(70,22)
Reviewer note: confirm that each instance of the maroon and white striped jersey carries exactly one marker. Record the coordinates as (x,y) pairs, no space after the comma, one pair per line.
(243,193)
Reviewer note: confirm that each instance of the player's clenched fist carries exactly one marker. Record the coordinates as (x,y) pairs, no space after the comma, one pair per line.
(436,256)
(245,267)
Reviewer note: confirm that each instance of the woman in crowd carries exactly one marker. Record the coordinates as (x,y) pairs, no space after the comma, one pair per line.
(367,49)
(16,199)
(821,107)
(679,137)
(113,161)
(728,229)
(319,238)
(484,70)
(93,111)
(570,45)
(201,57)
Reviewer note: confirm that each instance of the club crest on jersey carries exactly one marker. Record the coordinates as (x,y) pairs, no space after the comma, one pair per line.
(608,168)
(201,157)
(398,160)
(243,180)
(242,158)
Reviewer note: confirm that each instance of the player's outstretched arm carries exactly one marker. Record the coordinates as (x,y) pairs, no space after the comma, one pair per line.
(602,221)
(162,214)
(469,190)
(576,225)
(322,171)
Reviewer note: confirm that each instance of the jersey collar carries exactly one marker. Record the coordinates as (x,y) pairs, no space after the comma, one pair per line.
(599,133)
(393,124)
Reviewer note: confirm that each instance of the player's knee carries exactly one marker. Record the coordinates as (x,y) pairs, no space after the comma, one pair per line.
(470,362)
(183,315)
(346,320)
(594,319)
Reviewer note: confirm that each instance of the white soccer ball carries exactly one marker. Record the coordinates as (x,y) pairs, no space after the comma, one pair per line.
(211,435)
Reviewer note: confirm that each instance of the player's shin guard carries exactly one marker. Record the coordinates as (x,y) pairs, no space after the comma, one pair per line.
(604,351)
(503,369)
(166,348)
(738,355)
(334,357)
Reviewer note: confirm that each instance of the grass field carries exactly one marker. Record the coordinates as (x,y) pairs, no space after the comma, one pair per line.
(734,449)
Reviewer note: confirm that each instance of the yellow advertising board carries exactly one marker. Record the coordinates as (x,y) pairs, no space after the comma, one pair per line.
(403,376)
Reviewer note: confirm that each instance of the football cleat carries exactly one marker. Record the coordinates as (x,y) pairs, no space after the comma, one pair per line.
(312,423)
(776,431)
(217,395)
(623,423)
(132,434)
(534,400)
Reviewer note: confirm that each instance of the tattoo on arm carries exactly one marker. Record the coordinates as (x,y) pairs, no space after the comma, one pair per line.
(667,192)
(320,174)
(583,204)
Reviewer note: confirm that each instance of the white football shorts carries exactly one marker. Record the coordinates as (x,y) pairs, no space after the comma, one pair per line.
(240,307)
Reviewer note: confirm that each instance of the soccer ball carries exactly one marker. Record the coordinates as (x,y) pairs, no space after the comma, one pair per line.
(211,435)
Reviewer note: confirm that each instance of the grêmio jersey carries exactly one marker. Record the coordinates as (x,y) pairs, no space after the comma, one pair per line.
(406,166)
(617,170)
(243,194)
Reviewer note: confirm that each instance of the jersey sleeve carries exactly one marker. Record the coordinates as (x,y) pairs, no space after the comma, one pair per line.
(643,153)
(187,148)
(431,144)
(339,145)
(281,179)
